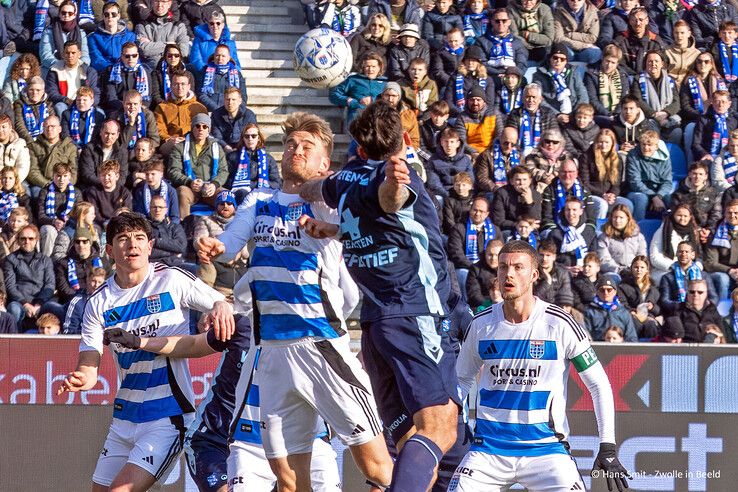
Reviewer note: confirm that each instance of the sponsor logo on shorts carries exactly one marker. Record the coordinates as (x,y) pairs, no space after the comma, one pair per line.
(148,459)
(537,348)
(462,470)
(357,430)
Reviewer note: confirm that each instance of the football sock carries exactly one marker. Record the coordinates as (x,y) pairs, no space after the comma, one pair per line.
(415,465)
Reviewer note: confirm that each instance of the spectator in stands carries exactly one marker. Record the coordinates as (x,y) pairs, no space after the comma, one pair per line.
(141,155)
(375,38)
(705,19)
(447,162)
(75,309)
(554,197)
(606,85)
(82,217)
(445,61)
(682,54)
(342,16)
(730,322)
(500,46)
(492,166)
(606,310)
(230,119)
(55,204)
(471,73)
(458,202)
(648,176)
(209,37)
(220,74)
(476,124)
(696,312)
(67,76)
(18,26)
(672,331)
(723,171)
(630,124)
(128,73)
(616,21)
(658,97)
(170,241)
(174,116)
(197,166)
(525,230)
(510,95)
(155,185)
(106,147)
(533,23)
(392,95)
(141,11)
(82,121)
(554,282)
(620,241)
(637,41)
(250,166)
(12,193)
(361,89)
(8,325)
(109,194)
(136,122)
(439,21)
(29,279)
(562,89)
(71,272)
(418,91)
(194,13)
(640,295)
(18,219)
(573,235)
(48,151)
(106,43)
(172,62)
(544,161)
(581,130)
(155,34)
(531,120)
(97,10)
(47,324)
(61,30)
(673,284)
(13,150)
(721,251)
(583,285)
(398,12)
(518,198)
(713,128)
(482,273)
(432,127)
(697,91)
(614,334)
(725,52)
(409,47)
(31,110)
(703,199)
(601,171)
(678,226)
(24,68)
(476,19)
(577,25)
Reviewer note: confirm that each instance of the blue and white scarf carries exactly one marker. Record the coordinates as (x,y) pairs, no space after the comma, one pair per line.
(643,84)
(561,195)
(242,180)
(563,93)
(694,89)
(499,174)
(163,192)
(734,325)
(142,78)
(72,271)
(471,238)
(574,241)
(607,306)
(730,67)
(35,126)
(187,160)
(50,204)
(21,84)
(8,202)
(501,54)
(528,139)
(719,134)
(344,22)
(140,128)
(39,19)
(86,15)
(459,90)
(694,272)
(208,83)
(469,31)
(729,167)
(458,51)
(166,82)
(722,235)
(532,238)
(74,126)
(507,105)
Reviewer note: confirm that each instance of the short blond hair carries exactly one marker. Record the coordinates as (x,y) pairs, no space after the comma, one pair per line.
(649,137)
(310,123)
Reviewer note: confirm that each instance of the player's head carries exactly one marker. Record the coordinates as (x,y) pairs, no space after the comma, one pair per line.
(129,241)
(308,144)
(378,131)
(518,269)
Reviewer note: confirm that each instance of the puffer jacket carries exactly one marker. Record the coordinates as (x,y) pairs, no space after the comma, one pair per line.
(616,255)
(399,58)
(705,203)
(105,48)
(436,25)
(649,175)
(29,277)
(15,154)
(597,320)
(544,77)
(695,322)
(427,94)
(275,181)
(19,122)
(476,130)
(356,87)
(442,65)
(160,32)
(576,35)
(360,46)
(204,45)
(669,290)
(44,156)
(543,35)
(578,140)
(477,283)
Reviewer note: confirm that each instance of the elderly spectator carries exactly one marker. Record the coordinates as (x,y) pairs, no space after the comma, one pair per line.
(492,166)
(566,184)
(360,89)
(195,13)
(32,109)
(531,120)
(678,226)
(71,272)
(155,34)
(209,37)
(648,176)
(55,204)
(686,267)
(471,73)
(444,62)
(606,310)
(476,124)
(106,147)
(220,74)
(24,68)
(375,38)
(500,46)
(620,241)
(250,166)
(409,47)
(128,73)
(398,12)
(66,77)
(61,30)
(13,150)
(606,85)
(705,19)
(637,41)
(81,122)
(546,159)
(172,62)
(696,312)
(533,23)
(518,198)
(721,251)
(577,25)
(48,151)
(106,43)
(230,119)
(174,116)
(392,95)
(658,97)
(154,184)
(439,21)
(170,241)
(682,53)
(562,88)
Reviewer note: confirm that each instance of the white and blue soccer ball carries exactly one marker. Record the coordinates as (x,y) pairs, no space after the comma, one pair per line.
(322,58)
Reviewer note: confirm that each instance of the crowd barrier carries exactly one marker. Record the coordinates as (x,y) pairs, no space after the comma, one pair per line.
(676,407)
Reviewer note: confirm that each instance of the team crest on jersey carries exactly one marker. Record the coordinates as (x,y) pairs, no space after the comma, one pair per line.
(153,304)
(537,348)
(294,210)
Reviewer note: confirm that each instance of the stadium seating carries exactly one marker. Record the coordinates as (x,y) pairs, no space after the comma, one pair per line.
(648,228)
(678,161)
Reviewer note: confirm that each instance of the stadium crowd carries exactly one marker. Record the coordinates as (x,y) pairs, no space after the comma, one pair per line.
(561,124)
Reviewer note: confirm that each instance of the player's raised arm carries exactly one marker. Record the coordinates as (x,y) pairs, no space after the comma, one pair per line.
(393,192)
(186,346)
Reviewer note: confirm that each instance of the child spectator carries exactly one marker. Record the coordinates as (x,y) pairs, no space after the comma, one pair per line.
(525,230)
(456,206)
(510,95)
(83,120)
(581,132)
(154,184)
(554,283)
(614,334)
(409,47)
(12,193)
(109,195)
(476,20)
(143,152)
(436,122)
(439,21)
(47,324)
(18,219)
(446,162)
(418,91)
(672,331)
(55,204)
(76,307)
(583,285)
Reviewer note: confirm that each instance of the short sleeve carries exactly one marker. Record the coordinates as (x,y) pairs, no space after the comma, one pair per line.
(325,213)
(196,294)
(92,329)
(577,346)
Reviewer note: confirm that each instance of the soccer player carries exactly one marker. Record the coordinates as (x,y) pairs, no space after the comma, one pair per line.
(306,367)
(155,402)
(525,347)
(393,250)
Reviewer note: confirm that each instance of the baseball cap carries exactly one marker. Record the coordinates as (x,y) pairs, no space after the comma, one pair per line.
(605,282)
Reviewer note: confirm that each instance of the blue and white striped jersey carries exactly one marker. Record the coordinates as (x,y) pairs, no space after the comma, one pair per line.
(292,280)
(521,404)
(151,386)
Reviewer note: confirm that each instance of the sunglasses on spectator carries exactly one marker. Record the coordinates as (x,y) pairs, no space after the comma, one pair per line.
(551,142)
(131,55)
(558,58)
(697,292)
(202,127)
(81,241)
(216,23)
(251,135)
(174,55)
(109,15)
(704,61)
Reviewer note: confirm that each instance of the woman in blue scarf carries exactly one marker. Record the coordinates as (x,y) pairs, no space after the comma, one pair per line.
(171,62)
(207,38)
(65,28)
(220,73)
(250,166)
(697,88)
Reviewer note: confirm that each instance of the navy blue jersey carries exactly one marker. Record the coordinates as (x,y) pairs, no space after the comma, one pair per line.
(397,259)
(216,411)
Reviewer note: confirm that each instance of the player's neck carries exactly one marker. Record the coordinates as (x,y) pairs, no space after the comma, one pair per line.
(127,280)
(292,187)
(518,310)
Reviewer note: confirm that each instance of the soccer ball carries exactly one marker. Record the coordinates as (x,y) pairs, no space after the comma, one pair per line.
(322,58)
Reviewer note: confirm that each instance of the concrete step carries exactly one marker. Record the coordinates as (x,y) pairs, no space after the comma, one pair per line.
(285,91)
(245,57)
(318,101)
(256,10)
(260,3)
(265,64)
(252,73)
(240,27)
(263,20)
(279,82)
(285,43)
(247,35)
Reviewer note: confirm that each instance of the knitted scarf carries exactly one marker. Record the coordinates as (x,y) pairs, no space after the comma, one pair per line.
(163,192)
(471,238)
(501,54)
(469,30)
(72,271)
(500,172)
(563,93)
(62,33)
(74,132)
(696,91)
(35,126)
(607,306)
(142,78)
(208,83)
(729,167)
(166,82)
(459,90)
(719,134)
(722,235)
(507,104)
(140,128)
(730,67)
(610,90)
(458,51)
(574,241)
(39,19)
(242,180)
(694,272)
(86,15)
(576,190)
(657,99)
(50,204)
(532,238)
(187,162)
(344,21)
(8,202)
(529,139)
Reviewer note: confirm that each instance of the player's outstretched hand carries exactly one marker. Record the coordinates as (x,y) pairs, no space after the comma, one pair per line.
(220,320)
(74,382)
(316,228)
(607,461)
(397,171)
(118,335)
(208,248)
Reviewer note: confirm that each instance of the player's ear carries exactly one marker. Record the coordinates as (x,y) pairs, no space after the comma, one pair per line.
(151,246)
(108,250)
(535,274)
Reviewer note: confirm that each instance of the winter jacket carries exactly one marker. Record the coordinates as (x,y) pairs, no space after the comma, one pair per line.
(457,244)
(29,277)
(549,199)
(695,322)
(193,14)
(16,23)
(105,48)
(44,156)
(704,19)
(731,336)
(64,291)
(20,124)
(679,61)
(409,124)
(597,320)
(541,168)
(520,53)
(92,156)
(139,200)
(589,176)
(15,154)
(470,81)
(357,86)
(484,170)
(507,207)
(635,49)
(49,53)
(584,291)
(66,234)
(141,11)
(455,208)
(626,132)
(631,296)
(412,14)
(477,283)
(576,35)
(170,242)
(554,287)
(570,259)
(72,324)
(60,205)
(418,99)
(649,175)
(616,255)
(214,100)
(57,90)
(128,130)
(399,58)
(360,46)
(275,181)
(476,130)
(227,129)
(730,194)
(157,87)
(65,123)
(436,25)
(669,290)
(719,259)
(687,110)
(112,92)
(542,35)
(443,64)
(705,203)
(514,94)
(429,138)
(702,143)
(660,263)
(578,141)
(592,86)
(544,77)
(174,118)
(445,168)
(108,202)
(158,33)
(672,109)
(203,45)
(201,164)
(11,90)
